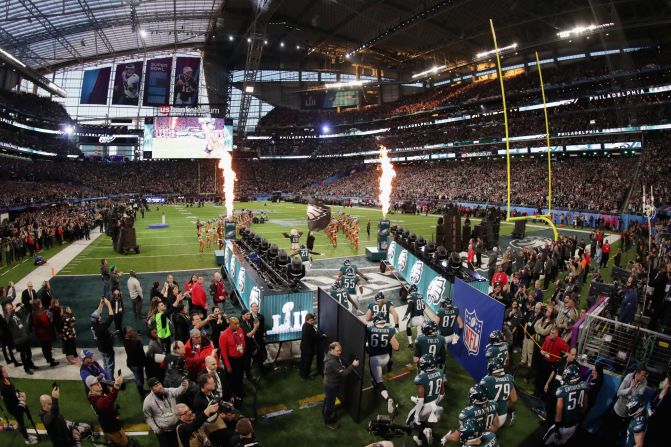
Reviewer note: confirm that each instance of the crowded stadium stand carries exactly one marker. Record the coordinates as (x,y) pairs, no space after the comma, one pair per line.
(198,198)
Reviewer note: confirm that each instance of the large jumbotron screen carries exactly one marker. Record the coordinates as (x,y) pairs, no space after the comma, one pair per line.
(187,137)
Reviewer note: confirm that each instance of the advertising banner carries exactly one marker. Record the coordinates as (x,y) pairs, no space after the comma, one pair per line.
(481,315)
(127,79)
(187,73)
(95,85)
(432,285)
(157,82)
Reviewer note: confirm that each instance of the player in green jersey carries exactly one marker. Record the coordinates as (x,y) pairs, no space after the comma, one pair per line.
(381,305)
(497,347)
(500,388)
(414,311)
(430,382)
(380,340)
(481,409)
(430,342)
(470,434)
(446,317)
(571,405)
(350,276)
(342,297)
(638,423)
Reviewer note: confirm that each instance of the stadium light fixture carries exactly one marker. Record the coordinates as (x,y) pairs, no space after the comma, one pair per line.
(12,58)
(432,70)
(249,89)
(282,44)
(501,50)
(298,47)
(326,129)
(230,38)
(143,33)
(578,30)
(69,130)
(249,40)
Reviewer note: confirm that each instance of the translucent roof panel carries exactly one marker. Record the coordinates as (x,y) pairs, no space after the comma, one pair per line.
(44,33)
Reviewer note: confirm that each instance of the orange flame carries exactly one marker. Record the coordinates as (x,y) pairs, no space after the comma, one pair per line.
(226,165)
(386,178)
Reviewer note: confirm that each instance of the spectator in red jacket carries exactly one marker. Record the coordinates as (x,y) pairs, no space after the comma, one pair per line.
(605,253)
(198,297)
(500,277)
(43,328)
(105,407)
(196,349)
(232,348)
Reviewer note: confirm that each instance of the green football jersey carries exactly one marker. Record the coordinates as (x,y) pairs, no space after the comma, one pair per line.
(500,350)
(378,339)
(573,396)
(350,281)
(448,318)
(637,424)
(416,304)
(484,415)
(384,309)
(499,389)
(431,344)
(341,296)
(304,253)
(432,382)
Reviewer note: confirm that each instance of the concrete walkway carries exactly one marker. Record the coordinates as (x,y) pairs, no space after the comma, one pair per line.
(57,263)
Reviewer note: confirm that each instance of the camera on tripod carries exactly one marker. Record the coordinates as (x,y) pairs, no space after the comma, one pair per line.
(384,427)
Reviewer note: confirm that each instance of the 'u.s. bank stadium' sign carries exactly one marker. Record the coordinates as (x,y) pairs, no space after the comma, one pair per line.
(284,312)
(204,110)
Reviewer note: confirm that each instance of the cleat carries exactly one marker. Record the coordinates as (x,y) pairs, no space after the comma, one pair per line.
(417,440)
(428,434)
(391,406)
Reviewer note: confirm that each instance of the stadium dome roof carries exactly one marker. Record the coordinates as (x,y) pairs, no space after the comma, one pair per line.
(397,34)
(46,33)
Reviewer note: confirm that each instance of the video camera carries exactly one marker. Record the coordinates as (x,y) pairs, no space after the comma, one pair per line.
(384,427)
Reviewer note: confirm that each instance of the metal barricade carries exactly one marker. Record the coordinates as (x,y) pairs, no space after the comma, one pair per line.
(622,347)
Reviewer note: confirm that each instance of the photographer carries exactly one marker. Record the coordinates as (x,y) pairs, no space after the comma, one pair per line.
(105,408)
(62,433)
(15,402)
(189,432)
(215,426)
(218,322)
(104,339)
(159,410)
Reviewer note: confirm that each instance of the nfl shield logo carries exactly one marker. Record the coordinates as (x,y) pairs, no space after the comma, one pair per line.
(472,332)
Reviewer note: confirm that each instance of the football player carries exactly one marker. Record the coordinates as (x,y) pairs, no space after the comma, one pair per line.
(480,410)
(380,339)
(497,347)
(350,276)
(382,306)
(304,253)
(340,295)
(430,342)
(186,87)
(415,311)
(446,317)
(638,423)
(571,405)
(430,383)
(500,388)
(470,434)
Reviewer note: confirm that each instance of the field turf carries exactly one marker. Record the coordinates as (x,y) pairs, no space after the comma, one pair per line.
(176,248)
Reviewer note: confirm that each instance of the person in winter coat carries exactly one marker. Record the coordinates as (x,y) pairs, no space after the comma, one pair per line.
(334,375)
(17,320)
(44,331)
(136,359)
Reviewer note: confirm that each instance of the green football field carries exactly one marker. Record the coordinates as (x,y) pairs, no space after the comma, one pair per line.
(176,249)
